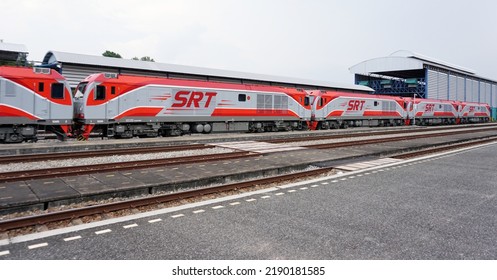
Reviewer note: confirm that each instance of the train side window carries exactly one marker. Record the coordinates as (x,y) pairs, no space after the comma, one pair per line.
(376,103)
(306,101)
(320,102)
(112,90)
(57,91)
(100,93)
(41,87)
(242,97)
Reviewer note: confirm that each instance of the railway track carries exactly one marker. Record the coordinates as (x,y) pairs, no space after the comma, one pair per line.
(140,164)
(149,150)
(375,133)
(393,139)
(115,166)
(141,202)
(67,215)
(98,153)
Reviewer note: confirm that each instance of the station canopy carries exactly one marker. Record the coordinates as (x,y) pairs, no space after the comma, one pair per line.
(405,73)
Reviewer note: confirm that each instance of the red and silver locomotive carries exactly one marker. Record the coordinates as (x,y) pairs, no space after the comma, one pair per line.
(33,99)
(335,109)
(124,106)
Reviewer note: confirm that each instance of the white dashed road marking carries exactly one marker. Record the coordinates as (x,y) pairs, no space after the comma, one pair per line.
(72,238)
(103,231)
(177,216)
(155,220)
(37,245)
(3,253)
(130,226)
(198,211)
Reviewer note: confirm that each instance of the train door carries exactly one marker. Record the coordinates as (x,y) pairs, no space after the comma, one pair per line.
(302,110)
(123,103)
(42,108)
(324,110)
(40,103)
(113,104)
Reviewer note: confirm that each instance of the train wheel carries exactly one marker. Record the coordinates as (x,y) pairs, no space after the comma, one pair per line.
(14,138)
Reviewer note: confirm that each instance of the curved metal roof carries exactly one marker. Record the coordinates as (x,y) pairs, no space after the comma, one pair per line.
(404,60)
(64,57)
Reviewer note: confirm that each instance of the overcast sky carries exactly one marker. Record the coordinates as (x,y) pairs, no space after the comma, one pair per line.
(308,39)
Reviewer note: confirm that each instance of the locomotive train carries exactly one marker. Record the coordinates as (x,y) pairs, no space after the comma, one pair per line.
(126,106)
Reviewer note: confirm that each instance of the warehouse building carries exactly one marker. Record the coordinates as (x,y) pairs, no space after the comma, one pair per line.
(76,67)
(405,73)
(13,54)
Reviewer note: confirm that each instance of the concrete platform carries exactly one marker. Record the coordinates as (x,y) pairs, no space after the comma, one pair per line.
(42,194)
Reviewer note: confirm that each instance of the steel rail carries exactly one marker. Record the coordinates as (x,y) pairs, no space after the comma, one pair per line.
(445,148)
(115,166)
(97,153)
(376,133)
(392,139)
(140,202)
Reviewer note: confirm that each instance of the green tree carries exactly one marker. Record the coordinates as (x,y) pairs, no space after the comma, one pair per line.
(147,58)
(111,54)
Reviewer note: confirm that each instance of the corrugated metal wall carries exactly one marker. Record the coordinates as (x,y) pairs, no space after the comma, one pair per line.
(476,86)
(469,90)
(460,88)
(488,93)
(494,96)
(453,86)
(443,85)
(432,84)
(75,74)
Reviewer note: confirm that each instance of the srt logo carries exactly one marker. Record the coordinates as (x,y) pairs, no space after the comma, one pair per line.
(186,98)
(430,107)
(356,105)
(471,109)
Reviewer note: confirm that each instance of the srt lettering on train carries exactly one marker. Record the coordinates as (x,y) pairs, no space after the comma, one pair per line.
(430,107)
(192,98)
(356,105)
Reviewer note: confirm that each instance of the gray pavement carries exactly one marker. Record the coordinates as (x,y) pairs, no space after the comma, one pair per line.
(442,208)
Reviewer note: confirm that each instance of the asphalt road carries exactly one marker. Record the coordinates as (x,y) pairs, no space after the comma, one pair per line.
(444,208)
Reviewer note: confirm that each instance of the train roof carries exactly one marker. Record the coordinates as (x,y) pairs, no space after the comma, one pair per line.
(27,72)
